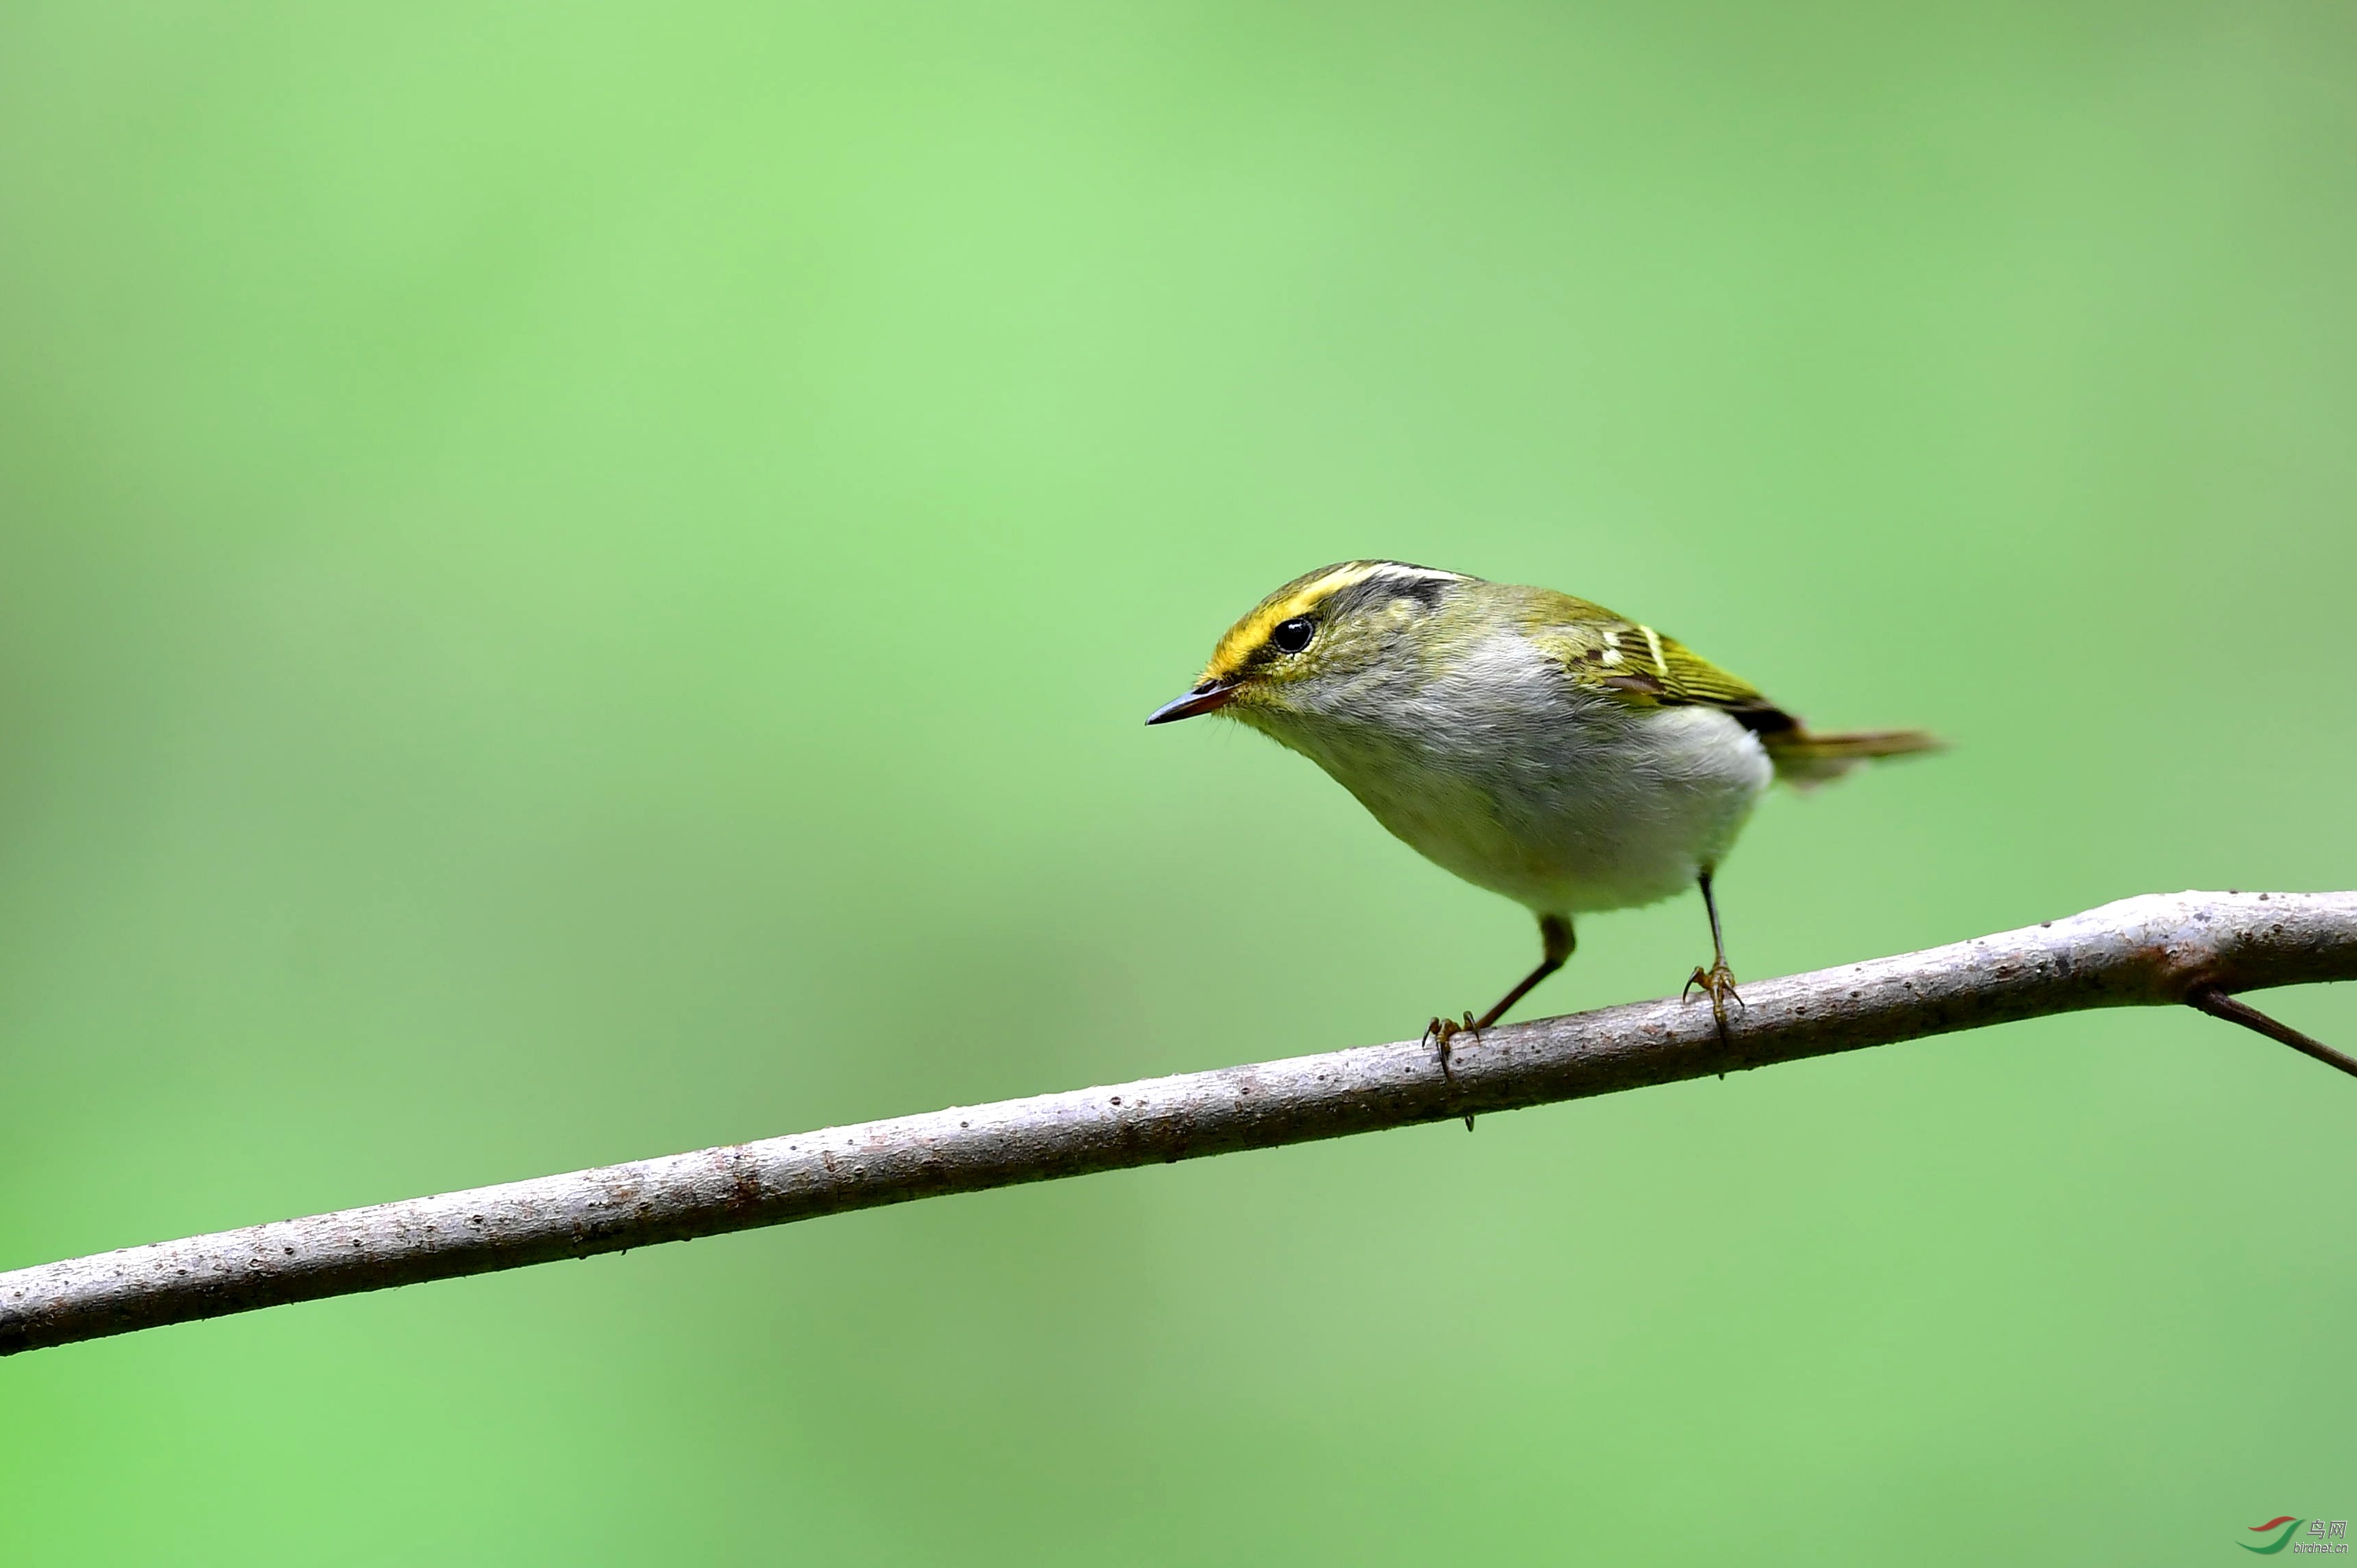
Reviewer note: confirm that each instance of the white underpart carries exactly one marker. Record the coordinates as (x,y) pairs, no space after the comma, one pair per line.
(1501,769)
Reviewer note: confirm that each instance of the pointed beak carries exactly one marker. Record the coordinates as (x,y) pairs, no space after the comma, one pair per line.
(1206,698)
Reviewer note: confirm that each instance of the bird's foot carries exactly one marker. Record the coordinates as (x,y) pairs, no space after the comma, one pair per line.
(1718,982)
(1443,1033)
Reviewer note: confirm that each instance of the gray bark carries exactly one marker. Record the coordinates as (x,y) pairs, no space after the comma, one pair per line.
(2156,950)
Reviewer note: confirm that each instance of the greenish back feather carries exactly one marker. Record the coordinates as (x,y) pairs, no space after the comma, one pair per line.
(1634,664)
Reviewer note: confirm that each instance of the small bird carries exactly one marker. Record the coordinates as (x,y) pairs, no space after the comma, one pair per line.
(1536,744)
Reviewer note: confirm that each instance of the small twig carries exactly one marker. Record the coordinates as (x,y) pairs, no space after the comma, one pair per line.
(2154,951)
(2210,999)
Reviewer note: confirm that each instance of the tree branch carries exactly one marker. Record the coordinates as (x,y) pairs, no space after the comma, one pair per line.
(2154,951)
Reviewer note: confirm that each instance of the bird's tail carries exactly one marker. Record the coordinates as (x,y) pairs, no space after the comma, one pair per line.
(1805,759)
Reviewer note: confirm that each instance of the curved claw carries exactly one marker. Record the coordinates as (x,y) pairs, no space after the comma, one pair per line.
(1443,1033)
(1718,982)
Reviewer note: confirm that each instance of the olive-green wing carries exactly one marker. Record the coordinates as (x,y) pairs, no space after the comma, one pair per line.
(1637,665)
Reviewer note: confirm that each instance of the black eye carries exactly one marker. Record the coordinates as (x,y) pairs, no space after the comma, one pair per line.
(1294,635)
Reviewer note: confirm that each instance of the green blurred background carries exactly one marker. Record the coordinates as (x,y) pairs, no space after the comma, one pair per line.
(580,582)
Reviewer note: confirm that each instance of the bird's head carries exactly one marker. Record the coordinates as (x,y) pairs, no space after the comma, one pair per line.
(1304,650)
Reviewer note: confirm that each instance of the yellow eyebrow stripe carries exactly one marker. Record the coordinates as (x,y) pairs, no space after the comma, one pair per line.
(1249,633)
(1308,595)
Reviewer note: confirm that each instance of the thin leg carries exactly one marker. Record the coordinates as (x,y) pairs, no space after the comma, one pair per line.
(1710,907)
(1718,981)
(1555,946)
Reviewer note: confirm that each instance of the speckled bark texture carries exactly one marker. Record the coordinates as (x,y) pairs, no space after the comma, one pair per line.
(2150,950)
